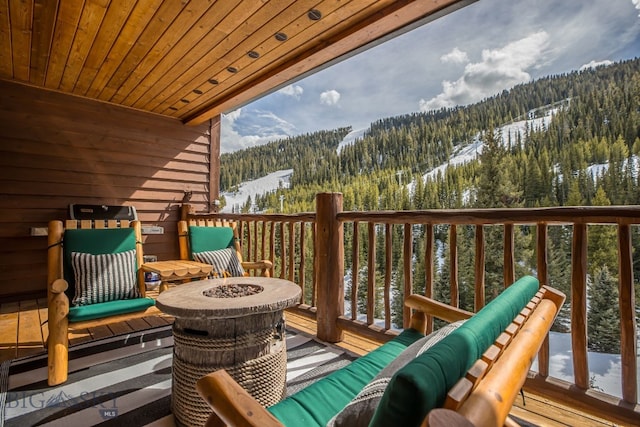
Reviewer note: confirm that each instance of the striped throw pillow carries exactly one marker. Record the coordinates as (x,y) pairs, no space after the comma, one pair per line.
(359,411)
(225,262)
(105,277)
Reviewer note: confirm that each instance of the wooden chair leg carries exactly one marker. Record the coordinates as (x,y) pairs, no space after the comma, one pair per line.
(58,341)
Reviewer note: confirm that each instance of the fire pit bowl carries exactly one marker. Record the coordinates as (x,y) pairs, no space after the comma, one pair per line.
(232,290)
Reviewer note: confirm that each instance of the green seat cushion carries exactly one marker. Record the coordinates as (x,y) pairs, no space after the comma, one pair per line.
(110,308)
(316,404)
(95,242)
(360,410)
(204,239)
(423,383)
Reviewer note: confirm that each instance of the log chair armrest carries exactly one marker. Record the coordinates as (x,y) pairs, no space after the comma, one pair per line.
(232,404)
(265,263)
(434,308)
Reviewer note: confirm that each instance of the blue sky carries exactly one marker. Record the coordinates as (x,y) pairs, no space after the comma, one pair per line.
(468,55)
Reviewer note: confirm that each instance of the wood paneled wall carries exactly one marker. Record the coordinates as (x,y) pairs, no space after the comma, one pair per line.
(57,149)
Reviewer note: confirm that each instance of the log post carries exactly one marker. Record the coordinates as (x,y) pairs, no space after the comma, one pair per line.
(58,341)
(186,210)
(183,240)
(330,257)
(54,254)
(137,227)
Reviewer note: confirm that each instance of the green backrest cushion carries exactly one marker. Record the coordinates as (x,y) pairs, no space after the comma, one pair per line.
(317,403)
(423,383)
(203,239)
(95,242)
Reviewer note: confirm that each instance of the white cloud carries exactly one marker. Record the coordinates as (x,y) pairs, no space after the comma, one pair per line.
(330,97)
(259,127)
(594,63)
(294,91)
(636,3)
(499,69)
(232,116)
(456,56)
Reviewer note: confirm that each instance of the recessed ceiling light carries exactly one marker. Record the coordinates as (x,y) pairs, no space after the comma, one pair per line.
(197,91)
(232,69)
(281,37)
(314,15)
(253,54)
(173,108)
(186,101)
(213,81)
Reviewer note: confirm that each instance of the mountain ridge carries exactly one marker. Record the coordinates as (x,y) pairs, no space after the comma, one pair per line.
(592,108)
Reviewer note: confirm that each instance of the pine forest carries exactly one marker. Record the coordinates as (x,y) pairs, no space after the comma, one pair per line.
(586,153)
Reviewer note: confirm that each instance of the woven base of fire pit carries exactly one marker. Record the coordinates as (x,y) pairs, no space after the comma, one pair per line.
(229,324)
(264,378)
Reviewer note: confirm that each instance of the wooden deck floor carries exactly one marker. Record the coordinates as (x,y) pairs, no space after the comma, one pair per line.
(23,332)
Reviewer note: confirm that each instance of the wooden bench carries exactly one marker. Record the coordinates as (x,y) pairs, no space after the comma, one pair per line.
(481,394)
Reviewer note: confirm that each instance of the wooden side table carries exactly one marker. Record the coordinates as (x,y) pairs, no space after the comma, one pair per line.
(177,271)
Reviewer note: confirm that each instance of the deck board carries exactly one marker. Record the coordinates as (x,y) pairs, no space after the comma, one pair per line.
(9,330)
(29,330)
(43,311)
(22,332)
(100,331)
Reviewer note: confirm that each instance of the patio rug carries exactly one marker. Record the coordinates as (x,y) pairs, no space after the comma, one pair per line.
(126,380)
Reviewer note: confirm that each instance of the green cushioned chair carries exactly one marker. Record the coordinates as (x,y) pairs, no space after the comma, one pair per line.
(415,389)
(205,236)
(94,273)
(423,383)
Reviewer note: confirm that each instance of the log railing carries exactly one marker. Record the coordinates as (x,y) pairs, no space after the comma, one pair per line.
(284,239)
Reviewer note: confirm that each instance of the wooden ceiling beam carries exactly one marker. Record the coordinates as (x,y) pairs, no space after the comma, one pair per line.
(302,33)
(399,16)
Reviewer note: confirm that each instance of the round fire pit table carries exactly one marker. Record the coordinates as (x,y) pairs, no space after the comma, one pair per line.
(236,324)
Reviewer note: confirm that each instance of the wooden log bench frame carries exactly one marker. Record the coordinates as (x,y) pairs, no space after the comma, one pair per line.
(483,397)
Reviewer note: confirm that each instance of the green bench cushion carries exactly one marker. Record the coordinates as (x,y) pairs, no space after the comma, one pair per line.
(423,383)
(96,242)
(318,403)
(110,308)
(204,239)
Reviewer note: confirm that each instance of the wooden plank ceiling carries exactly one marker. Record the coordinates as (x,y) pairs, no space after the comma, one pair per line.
(190,59)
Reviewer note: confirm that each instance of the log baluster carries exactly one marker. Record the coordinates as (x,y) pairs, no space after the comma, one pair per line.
(628,327)
(579,306)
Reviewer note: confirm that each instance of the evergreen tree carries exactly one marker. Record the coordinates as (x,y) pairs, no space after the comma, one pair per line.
(603,316)
(603,241)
